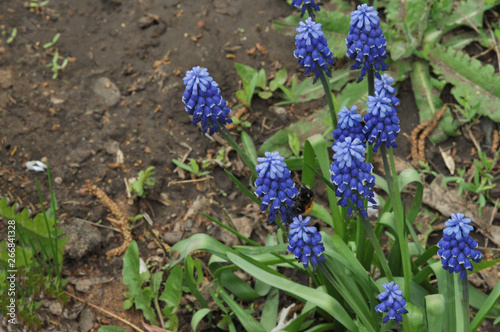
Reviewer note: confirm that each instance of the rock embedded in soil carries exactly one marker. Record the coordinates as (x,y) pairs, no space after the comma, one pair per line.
(83,239)
(107,91)
(87,320)
(6,78)
(172,238)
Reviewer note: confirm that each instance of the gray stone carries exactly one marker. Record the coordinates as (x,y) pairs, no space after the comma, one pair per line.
(172,237)
(87,320)
(107,91)
(83,238)
(56,308)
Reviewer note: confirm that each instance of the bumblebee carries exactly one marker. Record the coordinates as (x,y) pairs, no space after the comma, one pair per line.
(303,202)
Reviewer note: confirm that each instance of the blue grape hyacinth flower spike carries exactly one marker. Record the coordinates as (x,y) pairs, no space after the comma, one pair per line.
(392,302)
(312,48)
(366,42)
(349,125)
(203,101)
(275,186)
(305,4)
(351,176)
(305,242)
(457,248)
(381,120)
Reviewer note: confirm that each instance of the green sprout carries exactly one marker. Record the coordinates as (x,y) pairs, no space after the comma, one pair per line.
(53,42)
(55,66)
(144,182)
(13,35)
(193,167)
(38,4)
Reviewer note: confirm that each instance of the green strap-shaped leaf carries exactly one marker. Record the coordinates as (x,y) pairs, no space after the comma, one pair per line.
(248,322)
(485,308)
(434,308)
(319,298)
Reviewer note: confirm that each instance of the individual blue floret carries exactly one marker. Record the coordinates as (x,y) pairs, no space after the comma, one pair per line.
(275,186)
(203,100)
(305,242)
(306,3)
(385,84)
(457,248)
(312,48)
(366,42)
(351,175)
(381,121)
(349,125)
(392,302)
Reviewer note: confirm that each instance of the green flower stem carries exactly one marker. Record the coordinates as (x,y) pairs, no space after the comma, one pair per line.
(465,303)
(243,155)
(329,99)
(371,81)
(360,239)
(377,248)
(392,183)
(360,244)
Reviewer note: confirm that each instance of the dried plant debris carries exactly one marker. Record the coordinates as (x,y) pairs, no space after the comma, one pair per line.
(119,221)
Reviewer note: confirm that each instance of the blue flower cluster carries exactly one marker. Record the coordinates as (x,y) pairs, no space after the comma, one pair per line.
(312,48)
(381,119)
(366,41)
(307,3)
(392,302)
(457,248)
(305,242)
(203,100)
(275,186)
(349,125)
(351,175)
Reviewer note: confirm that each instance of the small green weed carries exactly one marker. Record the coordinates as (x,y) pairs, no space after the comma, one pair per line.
(38,4)
(193,167)
(54,65)
(13,35)
(53,42)
(144,182)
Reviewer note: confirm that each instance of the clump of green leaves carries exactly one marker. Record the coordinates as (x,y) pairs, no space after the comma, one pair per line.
(54,65)
(144,290)
(144,182)
(38,259)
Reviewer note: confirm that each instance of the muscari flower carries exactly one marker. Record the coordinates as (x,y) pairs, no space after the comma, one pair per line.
(312,48)
(307,3)
(275,186)
(366,41)
(305,242)
(457,248)
(351,175)
(349,125)
(381,121)
(203,100)
(392,302)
